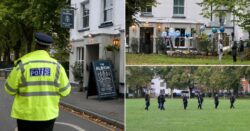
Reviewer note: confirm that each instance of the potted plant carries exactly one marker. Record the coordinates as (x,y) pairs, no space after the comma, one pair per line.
(111,47)
(134,45)
(77,71)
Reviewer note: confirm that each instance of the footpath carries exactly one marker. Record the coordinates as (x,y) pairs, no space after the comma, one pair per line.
(108,110)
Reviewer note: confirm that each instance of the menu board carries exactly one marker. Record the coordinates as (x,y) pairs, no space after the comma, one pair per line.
(101,80)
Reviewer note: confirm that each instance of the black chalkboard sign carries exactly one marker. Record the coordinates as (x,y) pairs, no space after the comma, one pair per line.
(101,80)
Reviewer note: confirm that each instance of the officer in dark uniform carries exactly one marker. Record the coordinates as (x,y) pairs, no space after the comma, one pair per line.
(216,101)
(200,101)
(147,100)
(232,100)
(162,101)
(185,102)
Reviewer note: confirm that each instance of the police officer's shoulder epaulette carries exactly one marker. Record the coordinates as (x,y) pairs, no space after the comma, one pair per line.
(17,62)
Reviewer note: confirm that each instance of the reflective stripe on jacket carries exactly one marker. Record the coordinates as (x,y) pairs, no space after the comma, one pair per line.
(37,81)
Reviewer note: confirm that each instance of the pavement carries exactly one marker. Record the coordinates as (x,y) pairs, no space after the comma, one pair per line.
(108,110)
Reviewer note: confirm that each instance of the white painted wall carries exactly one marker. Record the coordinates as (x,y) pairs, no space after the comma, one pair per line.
(101,36)
(163,16)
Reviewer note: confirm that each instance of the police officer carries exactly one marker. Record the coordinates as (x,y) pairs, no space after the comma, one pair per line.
(162,101)
(234,51)
(216,101)
(37,83)
(200,101)
(241,49)
(232,100)
(185,102)
(147,101)
(159,104)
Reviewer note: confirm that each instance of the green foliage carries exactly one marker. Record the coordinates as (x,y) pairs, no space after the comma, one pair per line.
(138,78)
(160,43)
(237,7)
(77,71)
(234,6)
(134,45)
(20,19)
(207,79)
(135,6)
(111,47)
(203,42)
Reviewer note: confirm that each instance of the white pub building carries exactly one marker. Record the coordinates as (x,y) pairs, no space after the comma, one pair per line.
(98,24)
(182,15)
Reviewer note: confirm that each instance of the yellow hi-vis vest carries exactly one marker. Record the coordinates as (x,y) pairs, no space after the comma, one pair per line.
(37,81)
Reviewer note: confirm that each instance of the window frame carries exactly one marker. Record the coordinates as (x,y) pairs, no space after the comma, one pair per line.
(178,6)
(85,15)
(147,12)
(106,9)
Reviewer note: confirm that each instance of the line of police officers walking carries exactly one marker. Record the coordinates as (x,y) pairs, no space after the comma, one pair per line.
(161,101)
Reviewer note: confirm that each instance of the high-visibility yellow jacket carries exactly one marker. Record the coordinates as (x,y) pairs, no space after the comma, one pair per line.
(37,81)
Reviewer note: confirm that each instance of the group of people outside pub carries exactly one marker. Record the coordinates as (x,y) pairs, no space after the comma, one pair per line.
(161,101)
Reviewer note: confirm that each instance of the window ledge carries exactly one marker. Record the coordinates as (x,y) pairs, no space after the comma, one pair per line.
(146,15)
(84,29)
(106,24)
(179,16)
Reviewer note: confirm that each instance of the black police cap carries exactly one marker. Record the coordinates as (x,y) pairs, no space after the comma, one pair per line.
(43,39)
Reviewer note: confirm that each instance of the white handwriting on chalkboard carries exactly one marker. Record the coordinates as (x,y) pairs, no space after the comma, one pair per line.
(102,68)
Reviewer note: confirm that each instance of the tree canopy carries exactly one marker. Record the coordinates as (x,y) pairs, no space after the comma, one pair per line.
(135,6)
(21,19)
(207,79)
(237,7)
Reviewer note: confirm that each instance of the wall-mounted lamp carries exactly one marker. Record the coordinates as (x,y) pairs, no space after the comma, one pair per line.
(116,43)
(159,28)
(90,35)
(133,28)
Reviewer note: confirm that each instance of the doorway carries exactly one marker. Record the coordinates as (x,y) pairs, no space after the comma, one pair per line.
(146,40)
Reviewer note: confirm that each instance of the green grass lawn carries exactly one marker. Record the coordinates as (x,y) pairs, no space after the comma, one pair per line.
(161,59)
(175,118)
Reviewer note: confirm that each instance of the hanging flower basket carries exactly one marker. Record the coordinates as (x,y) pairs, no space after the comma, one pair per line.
(111,48)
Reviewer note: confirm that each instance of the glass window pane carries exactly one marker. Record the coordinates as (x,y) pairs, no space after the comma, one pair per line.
(181,10)
(175,10)
(176,2)
(181,2)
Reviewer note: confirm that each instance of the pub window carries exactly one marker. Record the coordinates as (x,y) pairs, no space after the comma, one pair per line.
(179,7)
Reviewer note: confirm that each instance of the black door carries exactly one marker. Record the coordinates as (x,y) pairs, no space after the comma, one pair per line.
(146,40)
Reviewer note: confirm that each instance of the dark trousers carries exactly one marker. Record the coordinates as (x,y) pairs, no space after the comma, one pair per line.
(24,125)
(200,106)
(216,104)
(162,106)
(234,58)
(185,106)
(232,105)
(147,105)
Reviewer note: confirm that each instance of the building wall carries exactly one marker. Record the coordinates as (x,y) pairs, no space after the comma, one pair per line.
(157,86)
(162,16)
(94,39)
(245,85)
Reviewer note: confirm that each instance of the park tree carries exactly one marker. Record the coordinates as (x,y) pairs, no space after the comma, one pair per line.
(135,6)
(175,77)
(139,78)
(244,21)
(237,7)
(24,18)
